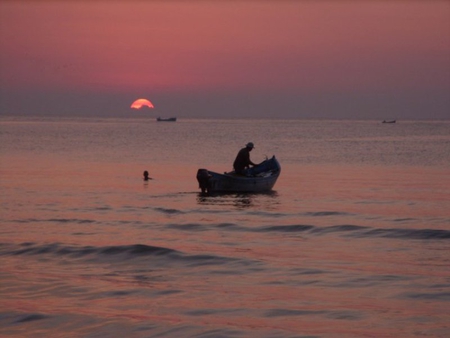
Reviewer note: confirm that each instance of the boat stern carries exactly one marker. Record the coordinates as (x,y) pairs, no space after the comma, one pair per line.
(203,177)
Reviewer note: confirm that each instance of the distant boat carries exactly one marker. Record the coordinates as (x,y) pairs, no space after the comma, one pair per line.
(262,178)
(388,121)
(170,119)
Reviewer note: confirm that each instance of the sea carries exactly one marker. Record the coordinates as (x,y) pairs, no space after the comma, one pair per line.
(353,241)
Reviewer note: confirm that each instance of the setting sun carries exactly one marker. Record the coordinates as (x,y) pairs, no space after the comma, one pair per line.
(141,102)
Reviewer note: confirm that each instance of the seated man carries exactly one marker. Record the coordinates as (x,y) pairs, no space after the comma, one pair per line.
(242,161)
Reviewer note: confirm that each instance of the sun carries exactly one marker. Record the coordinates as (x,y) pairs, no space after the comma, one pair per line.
(139,103)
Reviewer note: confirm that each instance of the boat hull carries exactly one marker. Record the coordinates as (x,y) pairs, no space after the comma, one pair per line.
(170,119)
(263,178)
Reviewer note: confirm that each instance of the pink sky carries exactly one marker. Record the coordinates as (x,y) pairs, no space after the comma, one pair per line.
(296,59)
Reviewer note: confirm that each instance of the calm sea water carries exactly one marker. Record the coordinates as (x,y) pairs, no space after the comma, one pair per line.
(354,241)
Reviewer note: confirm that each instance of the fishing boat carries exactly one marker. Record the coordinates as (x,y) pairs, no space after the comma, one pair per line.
(389,121)
(170,119)
(259,178)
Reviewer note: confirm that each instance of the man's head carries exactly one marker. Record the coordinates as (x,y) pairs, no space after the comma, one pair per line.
(250,146)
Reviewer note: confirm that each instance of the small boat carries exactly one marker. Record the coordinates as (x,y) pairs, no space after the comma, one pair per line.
(259,178)
(388,121)
(170,119)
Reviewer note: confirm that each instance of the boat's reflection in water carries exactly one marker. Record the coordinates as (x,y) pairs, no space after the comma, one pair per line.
(267,199)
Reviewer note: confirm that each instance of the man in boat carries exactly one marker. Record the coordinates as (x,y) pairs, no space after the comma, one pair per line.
(242,161)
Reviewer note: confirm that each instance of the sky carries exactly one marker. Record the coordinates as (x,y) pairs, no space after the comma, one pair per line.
(349,59)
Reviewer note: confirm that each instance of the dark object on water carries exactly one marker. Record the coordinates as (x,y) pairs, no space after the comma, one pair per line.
(203,177)
(388,121)
(170,119)
(260,178)
(146,178)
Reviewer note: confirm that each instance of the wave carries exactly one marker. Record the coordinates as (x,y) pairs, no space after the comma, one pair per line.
(343,229)
(119,253)
(31,317)
(408,233)
(326,213)
(334,314)
(169,211)
(55,220)
(75,251)
(359,231)
(437,296)
(286,228)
